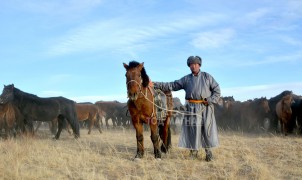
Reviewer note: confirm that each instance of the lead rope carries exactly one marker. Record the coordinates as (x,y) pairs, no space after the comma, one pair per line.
(152,102)
(176,111)
(179,112)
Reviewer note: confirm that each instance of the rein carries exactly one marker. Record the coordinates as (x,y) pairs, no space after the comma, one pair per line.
(152,102)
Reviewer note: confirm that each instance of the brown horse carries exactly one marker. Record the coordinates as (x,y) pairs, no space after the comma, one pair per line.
(89,112)
(284,112)
(10,119)
(253,114)
(143,110)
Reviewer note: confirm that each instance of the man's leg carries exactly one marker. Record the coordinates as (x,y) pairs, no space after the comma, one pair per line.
(209,155)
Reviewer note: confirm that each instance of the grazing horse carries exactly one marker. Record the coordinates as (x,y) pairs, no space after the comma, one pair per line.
(89,112)
(299,116)
(284,112)
(34,108)
(273,115)
(143,110)
(226,111)
(253,113)
(111,110)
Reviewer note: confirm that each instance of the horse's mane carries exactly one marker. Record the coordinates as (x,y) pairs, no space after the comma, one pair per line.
(228,98)
(144,75)
(22,93)
(259,99)
(279,96)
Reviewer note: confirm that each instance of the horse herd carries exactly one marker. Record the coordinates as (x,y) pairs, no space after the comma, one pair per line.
(282,113)
(19,111)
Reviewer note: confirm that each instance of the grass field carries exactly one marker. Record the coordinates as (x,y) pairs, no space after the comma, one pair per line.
(110,156)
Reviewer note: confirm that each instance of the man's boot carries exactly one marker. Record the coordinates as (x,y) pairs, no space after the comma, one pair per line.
(193,154)
(209,155)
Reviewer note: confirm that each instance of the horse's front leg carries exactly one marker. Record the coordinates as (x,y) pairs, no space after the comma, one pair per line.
(139,139)
(155,138)
(30,126)
(90,124)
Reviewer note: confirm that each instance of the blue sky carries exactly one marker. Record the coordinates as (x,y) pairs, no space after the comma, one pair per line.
(75,48)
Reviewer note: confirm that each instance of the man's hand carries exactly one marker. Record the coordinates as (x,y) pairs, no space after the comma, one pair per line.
(155,85)
(205,102)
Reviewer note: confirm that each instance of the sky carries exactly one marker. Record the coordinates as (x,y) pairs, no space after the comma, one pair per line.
(76,48)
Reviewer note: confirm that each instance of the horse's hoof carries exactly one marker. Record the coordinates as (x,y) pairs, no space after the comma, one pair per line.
(158,159)
(163,149)
(137,159)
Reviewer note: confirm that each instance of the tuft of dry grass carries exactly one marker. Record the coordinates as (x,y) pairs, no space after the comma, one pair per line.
(110,156)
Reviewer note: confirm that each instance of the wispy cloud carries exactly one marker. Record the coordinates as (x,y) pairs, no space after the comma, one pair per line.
(213,39)
(291,41)
(266,90)
(294,57)
(257,16)
(55,7)
(51,93)
(121,33)
(58,78)
(93,99)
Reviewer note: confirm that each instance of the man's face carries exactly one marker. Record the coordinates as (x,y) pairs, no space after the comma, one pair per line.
(194,68)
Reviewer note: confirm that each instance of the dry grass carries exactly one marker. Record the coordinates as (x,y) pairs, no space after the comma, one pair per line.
(110,156)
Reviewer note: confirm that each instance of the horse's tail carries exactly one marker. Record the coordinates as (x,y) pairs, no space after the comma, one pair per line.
(70,115)
(74,123)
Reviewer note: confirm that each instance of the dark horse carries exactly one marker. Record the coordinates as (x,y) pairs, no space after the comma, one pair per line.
(143,110)
(34,108)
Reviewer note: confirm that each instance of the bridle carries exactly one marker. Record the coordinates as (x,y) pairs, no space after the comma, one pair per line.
(145,95)
(139,84)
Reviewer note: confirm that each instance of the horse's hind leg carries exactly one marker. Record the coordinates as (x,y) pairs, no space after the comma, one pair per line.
(155,139)
(97,124)
(165,135)
(60,126)
(90,124)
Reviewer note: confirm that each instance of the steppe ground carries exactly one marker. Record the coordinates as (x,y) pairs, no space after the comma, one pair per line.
(110,156)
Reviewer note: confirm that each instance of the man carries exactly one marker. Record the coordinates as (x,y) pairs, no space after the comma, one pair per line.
(199,129)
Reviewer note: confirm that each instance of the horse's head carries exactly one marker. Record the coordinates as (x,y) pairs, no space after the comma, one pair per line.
(134,80)
(265,105)
(7,94)
(227,101)
(287,101)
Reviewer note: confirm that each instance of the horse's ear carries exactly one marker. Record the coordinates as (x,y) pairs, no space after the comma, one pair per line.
(125,65)
(140,66)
